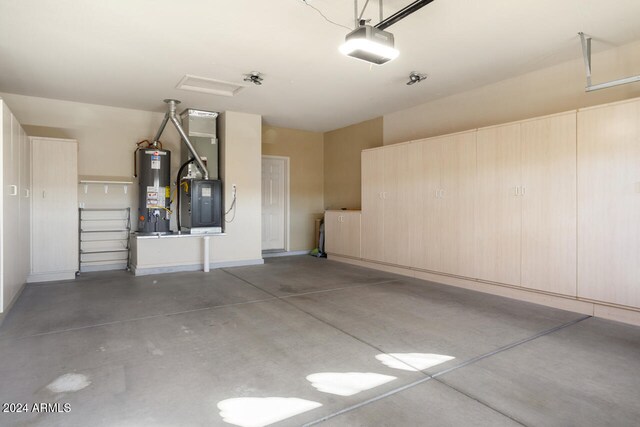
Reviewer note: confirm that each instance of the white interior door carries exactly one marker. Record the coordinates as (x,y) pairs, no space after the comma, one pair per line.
(274,202)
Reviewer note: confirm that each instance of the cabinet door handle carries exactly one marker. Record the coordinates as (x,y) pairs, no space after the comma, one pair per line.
(523,189)
(44,194)
(517,190)
(437,194)
(13,190)
(384,194)
(26,193)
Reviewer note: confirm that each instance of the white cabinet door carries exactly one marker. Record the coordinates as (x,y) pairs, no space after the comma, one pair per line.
(609,203)
(373,205)
(498,207)
(549,204)
(25,205)
(55,209)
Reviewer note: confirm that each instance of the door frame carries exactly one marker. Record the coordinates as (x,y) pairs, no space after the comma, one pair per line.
(287,204)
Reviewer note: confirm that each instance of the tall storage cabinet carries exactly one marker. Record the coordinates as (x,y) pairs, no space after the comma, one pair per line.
(373,204)
(54,238)
(609,203)
(499,211)
(15,207)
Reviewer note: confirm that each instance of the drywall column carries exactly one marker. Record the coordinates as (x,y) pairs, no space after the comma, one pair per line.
(205,241)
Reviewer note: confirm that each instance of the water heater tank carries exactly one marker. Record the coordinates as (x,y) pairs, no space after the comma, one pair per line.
(154,183)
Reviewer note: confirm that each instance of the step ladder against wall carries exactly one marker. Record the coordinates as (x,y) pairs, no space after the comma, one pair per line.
(104,238)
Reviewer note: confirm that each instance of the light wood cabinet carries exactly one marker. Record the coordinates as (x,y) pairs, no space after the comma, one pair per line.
(54,235)
(609,203)
(426,238)
(373,205)
(457,196)
(342,233)
(14,210)
(498,204)
(549,204)
(397,199)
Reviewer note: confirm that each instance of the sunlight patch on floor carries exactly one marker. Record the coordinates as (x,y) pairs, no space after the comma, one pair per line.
(347,383)
(262,411)
(412,361)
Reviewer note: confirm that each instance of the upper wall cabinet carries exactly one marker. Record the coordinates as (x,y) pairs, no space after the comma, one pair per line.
(609,203)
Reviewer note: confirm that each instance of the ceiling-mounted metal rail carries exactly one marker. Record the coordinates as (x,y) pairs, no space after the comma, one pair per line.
(385,23)
(586,53)
(402,13)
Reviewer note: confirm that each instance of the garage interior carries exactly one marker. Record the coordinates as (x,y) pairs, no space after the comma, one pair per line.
(319,212)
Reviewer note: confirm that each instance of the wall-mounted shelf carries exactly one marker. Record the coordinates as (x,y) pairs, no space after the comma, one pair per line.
(106,181)
(98,222)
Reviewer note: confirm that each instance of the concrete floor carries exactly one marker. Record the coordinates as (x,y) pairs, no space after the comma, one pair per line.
(172,350)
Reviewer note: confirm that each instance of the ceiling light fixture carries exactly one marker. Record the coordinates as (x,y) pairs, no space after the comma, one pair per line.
(371,43)
(253,77)
(415,77)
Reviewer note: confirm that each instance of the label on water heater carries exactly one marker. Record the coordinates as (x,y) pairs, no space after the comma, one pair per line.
(155,164)
(153,197)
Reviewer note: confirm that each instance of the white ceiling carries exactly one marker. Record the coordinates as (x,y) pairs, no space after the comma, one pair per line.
(132,53)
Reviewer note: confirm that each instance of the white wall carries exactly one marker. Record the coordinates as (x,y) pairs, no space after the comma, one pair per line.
(546,91)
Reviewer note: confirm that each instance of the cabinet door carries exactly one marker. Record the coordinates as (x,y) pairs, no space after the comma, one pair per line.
(332,235)
(397,197)
(426,239)
(498,207)
(457,197)
(55,206)
(609,203)
(25,204)
(351,232)
(549,204)
(11,272)
(372,205)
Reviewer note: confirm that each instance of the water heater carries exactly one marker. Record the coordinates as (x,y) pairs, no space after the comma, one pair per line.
(154,180)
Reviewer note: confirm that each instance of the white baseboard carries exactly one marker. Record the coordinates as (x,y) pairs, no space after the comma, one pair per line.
(102,267)
(574,304)
(144,271)
(50,277)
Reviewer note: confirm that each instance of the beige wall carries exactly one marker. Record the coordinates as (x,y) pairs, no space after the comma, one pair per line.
(106,141)
(342,148)
(305,153)
(546,91)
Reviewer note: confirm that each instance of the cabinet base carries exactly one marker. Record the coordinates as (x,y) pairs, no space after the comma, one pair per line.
(50,277)
(602,310)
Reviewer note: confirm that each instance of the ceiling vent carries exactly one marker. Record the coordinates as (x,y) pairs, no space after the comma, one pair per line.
(206,85)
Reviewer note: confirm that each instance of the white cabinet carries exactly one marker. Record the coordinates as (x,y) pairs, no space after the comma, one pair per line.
(14,247)
(342,233)
(54,234)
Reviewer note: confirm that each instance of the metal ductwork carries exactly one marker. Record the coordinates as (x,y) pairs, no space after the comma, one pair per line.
(171,115)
